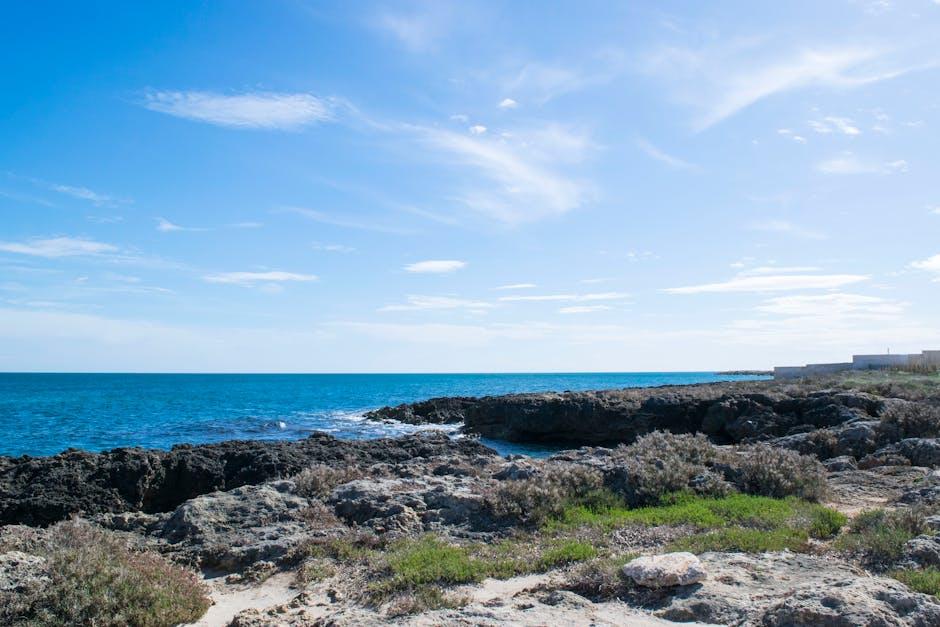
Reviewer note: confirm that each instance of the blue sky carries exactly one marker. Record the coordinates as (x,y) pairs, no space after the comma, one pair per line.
(486,186)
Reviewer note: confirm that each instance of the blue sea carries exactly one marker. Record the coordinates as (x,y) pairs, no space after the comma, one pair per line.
(43,414)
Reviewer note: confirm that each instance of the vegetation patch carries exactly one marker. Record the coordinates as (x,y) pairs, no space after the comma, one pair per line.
(744,540)
(878,536)
(96,579)
(926,580)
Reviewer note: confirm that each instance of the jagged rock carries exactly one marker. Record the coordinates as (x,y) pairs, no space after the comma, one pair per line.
(231,530)
(739,412)
(43,490)
(923,550)
(670,569)
(916,451)
(932,523)
(838,464)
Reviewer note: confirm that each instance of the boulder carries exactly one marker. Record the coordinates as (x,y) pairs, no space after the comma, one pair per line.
(661,571)
(838,464)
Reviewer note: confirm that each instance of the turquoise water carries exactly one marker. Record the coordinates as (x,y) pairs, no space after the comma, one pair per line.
(42,414)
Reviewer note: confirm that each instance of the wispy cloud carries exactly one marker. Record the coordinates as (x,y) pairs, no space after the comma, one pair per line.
(418,31)
(664,157)
(250,279)
(58,247)
(837,304)
(772,283)
(252,110)
(762,270)
(508,103)
(785,132)
(165,226)
(786,227)
(722,80)
(849,163)
(516,286)
(83,193)
(346,223)
(424,303)
(333,248)
(435,266)
(583,309)
(831,124)
(930,264)
(565,297)
(521,175)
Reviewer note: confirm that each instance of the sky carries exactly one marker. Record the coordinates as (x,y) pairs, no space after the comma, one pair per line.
(300,186)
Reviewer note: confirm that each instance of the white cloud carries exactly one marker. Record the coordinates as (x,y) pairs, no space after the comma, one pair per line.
(849,163)
(565,297)
(165,226)
(436,266)
(258,110)
(580,309)
(360,225)
(785,132)
(830,124)
(477,129)
(772,283)
(722,80)
(760,270)
(508,103)
(930,264)
(830,305)
(333,248)
(58,247)
(515,179)
(935,210)
(663,157)
(516,286)
(422,303)
(249,279)
(83,193)
(786,227)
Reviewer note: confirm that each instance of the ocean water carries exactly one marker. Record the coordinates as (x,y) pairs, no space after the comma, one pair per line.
(43,414)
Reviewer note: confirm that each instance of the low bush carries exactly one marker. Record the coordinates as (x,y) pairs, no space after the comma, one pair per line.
(777,472)
(599,579)
(661,463)
(96,579)
(318,480)
(926,580)
(557,486)
(909,420)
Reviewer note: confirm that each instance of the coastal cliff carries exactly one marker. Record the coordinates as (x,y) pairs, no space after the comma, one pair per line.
(740,504)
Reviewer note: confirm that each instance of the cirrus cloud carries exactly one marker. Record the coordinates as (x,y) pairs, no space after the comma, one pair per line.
(435,266)
(255,110)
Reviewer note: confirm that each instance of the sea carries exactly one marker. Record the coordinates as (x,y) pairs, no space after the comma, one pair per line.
(45,413)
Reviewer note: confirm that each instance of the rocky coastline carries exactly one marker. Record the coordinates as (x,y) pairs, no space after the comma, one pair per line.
(751,503)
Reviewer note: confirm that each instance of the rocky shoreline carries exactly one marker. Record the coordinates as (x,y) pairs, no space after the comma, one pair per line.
(790,504)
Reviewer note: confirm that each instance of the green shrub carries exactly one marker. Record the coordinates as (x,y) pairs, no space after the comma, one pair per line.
(878,536)
(566,553)
(430,560)
(925,580)
(96,579)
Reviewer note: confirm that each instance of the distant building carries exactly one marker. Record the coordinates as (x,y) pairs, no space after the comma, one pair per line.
(925,359)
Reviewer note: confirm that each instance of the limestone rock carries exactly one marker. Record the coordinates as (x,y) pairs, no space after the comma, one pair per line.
(669,569)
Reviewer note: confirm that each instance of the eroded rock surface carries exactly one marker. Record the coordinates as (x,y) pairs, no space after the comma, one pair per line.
(43,490)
